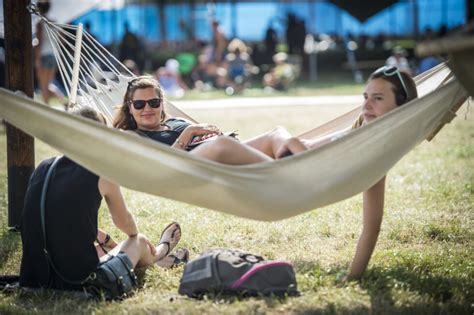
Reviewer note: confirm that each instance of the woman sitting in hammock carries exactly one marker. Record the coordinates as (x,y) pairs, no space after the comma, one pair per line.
(387,88)
(143,113)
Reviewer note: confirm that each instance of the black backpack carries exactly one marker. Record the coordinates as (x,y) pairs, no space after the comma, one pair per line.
(232,271)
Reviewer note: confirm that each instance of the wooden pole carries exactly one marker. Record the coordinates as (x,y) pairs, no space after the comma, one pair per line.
(162,8)
(19,76)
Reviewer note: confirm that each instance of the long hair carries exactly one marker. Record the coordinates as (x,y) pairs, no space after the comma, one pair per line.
(123,119)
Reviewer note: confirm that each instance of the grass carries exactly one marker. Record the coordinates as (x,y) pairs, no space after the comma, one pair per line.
(334,84)
(423,263)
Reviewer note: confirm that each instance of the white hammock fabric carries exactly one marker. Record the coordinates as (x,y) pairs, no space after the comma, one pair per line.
(265,191)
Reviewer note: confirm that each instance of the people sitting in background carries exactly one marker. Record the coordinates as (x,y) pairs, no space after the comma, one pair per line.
(201,75)
(399,59)
(72,202)
(281,75)
(239,66)
(170,79)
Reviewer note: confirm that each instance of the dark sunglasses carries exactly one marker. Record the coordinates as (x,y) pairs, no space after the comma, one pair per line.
(140,104)
(392,70)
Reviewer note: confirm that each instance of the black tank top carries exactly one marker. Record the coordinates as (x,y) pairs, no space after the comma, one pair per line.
(176,127)
(72,205)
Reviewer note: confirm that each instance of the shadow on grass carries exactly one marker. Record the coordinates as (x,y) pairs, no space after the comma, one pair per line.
(395,290)
(448,293)
(10,245)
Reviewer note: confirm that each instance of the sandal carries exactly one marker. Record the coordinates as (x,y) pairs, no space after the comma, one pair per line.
(171,240)
(174,260)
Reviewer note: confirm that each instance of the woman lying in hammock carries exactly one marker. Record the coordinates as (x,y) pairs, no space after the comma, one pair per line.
(143,112)
(387,88)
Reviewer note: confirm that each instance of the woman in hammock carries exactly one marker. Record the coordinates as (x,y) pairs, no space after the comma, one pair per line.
(143,112)
(386,89)
(72,204)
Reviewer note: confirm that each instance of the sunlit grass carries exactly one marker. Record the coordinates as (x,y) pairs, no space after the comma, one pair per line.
(423,263)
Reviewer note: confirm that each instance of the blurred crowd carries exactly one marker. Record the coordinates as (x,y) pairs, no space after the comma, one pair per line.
(233,65)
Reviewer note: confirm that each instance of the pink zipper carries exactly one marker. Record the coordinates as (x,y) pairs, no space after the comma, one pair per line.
(252,271)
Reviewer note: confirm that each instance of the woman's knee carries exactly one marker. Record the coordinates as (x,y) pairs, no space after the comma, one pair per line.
(221,147)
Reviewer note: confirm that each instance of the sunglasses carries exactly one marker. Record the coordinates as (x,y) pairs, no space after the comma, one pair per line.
(392,70)
(140,104)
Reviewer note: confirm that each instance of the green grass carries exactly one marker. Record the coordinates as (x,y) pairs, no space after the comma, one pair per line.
(328,85)
(423,263)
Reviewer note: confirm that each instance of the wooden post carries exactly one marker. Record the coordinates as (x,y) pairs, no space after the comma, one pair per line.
(19,76)
(233,18)
(162,8)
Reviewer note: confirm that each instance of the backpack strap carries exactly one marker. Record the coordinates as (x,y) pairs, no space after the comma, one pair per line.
(44,191)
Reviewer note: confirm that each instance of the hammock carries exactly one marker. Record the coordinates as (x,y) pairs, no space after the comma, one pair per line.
(265,191)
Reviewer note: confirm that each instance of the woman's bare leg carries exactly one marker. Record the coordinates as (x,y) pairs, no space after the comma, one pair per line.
(138,251)
(269,142)
(44,75)
(227,150)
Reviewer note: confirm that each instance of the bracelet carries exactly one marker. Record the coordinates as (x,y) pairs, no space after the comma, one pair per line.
(106,240)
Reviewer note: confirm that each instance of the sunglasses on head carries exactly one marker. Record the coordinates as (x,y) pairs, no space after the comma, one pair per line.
(140,104)
(392,70)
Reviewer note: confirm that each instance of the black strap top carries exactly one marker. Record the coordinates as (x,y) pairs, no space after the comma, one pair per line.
(176,127)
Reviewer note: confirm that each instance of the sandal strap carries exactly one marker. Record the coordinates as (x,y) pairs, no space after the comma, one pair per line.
(168,248)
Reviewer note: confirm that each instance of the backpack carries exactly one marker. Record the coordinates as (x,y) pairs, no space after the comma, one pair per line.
(235,272)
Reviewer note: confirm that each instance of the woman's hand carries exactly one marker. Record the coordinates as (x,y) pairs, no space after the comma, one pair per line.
(201,129)
(195,130)
(289,147)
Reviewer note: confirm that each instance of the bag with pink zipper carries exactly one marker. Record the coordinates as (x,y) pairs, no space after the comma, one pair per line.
(234,272)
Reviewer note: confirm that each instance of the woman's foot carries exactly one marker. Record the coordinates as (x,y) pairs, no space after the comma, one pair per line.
(180,257)
(170,237)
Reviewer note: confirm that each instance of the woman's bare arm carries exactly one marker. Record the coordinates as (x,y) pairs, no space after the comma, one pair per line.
(373,200)
(121,217)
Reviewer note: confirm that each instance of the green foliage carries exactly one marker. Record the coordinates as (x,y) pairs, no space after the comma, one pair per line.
(423,263)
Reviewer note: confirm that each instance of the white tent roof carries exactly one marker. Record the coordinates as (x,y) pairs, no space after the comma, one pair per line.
(64,11)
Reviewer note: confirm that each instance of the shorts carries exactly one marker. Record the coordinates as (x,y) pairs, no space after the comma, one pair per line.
(48,62)
(126,259)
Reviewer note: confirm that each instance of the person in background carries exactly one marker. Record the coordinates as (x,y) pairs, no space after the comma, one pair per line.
(45,62)
(219,43)
(281,76)
(399,59)
(170,79)
(239,66)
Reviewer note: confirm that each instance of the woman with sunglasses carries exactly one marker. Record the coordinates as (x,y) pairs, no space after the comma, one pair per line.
(143,113)
(386,89)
